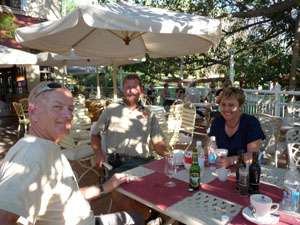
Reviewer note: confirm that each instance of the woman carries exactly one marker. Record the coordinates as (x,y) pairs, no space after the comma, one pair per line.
(235,130)
(166,94)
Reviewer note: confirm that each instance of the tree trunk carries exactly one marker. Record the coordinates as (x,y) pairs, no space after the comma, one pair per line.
(294,64)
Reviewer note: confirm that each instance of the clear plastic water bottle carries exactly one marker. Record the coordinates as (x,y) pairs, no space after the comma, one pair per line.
(212,147)
(200,153)
(290,200)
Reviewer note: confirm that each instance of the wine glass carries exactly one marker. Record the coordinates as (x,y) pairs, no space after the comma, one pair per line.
(170,169)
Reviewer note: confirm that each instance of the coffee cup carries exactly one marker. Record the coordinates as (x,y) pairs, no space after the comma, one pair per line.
(263,205)
(222,151)
(179,156)
(223,173)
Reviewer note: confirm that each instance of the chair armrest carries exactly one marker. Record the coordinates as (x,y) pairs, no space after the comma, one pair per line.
(84,142)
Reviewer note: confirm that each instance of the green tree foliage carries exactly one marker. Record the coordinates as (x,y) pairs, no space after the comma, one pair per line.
(7,24)
(262,32)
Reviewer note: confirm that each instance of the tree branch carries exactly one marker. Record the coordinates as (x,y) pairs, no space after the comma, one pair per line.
(267,11)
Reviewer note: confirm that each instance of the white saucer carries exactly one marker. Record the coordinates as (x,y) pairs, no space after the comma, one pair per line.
(265,220)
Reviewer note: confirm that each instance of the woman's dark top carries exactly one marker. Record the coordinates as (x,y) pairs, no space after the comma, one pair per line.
(249,130)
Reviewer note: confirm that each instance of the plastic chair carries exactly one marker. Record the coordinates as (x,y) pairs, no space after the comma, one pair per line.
(186,134)
(23,119)
(80,152)
(293,146)
(266,106)
(271,146)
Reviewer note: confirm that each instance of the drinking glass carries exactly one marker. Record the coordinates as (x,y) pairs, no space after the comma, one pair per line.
(170,169)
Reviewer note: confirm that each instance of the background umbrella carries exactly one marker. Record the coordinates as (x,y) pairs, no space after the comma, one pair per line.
(52,59)
(10,57)
(123,30)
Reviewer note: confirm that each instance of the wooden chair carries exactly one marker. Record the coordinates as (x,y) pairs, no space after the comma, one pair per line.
(24,103)
(188,116)
(80,152)
(271,146)
(293,146)
(23,119)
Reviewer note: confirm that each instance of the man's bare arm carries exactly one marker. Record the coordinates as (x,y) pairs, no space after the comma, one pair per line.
(96,145)
(160,148)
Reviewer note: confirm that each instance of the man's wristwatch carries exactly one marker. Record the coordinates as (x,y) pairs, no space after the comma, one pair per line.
(101,189)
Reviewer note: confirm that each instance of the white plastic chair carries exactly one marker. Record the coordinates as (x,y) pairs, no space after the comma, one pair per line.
(271,146)
(80,152)
(188,116)
(293,146)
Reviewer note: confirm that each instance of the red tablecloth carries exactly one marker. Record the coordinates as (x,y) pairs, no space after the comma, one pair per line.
(226,190)
(152,188)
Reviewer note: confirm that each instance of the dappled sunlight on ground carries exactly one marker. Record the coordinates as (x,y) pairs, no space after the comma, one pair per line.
(8,134)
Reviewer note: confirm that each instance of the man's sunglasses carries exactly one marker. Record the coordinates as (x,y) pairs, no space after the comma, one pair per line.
(48,87)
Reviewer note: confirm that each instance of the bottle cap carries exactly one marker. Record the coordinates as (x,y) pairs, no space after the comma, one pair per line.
(212,138)
(199,143)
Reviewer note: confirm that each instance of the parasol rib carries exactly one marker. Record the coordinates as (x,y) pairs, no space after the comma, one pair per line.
(83,37)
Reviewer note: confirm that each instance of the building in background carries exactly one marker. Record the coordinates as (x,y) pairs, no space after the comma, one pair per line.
(16,82)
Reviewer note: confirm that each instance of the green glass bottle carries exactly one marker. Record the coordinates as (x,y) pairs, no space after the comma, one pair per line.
(240,164)
(195,172)
(254,174)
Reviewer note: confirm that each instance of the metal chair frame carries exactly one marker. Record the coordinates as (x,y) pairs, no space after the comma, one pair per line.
(23,119)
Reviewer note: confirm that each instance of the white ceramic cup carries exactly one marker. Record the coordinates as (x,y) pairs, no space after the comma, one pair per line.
(223,173)
(179,156)
(263,205)
(222,151)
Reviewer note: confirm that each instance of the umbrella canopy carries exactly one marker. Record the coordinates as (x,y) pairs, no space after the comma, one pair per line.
(52,59)
(123,30)
(10,57)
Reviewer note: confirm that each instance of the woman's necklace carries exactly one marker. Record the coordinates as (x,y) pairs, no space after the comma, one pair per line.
(235,125)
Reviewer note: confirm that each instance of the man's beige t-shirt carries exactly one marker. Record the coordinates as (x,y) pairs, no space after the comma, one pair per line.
(37,183)
(128,132)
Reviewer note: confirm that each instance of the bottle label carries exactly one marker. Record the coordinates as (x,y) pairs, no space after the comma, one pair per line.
(201,162)
(194,180)
(212,158)
(291,195)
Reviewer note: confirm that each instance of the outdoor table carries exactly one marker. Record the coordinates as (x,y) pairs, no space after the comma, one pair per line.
(206,206)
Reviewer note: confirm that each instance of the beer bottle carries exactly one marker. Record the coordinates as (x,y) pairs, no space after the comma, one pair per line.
(254,174)
(194,172)
(240,164)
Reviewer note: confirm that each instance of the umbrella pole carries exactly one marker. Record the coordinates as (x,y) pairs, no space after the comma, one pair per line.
(98,82)
(115,80)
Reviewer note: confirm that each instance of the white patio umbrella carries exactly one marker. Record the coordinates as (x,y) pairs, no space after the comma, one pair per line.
(53,59)
(10,57)
(123,30)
